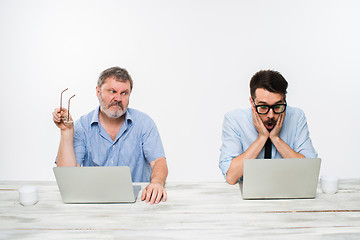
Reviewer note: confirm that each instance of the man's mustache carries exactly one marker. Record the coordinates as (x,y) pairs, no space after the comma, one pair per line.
(270,121)
(116,104)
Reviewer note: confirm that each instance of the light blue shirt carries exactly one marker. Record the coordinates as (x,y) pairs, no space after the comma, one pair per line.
(136,145)
(239,133)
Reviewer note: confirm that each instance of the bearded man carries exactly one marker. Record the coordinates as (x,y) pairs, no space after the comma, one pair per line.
(115,135)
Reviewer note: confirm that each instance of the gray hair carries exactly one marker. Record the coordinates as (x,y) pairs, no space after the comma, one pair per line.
(120,74)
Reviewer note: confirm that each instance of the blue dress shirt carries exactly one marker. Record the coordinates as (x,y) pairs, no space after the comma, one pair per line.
(239,133)
(136,145)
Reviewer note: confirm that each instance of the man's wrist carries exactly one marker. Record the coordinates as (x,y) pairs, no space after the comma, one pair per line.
(275,139)
(67,132)
(263,138)
(158,181)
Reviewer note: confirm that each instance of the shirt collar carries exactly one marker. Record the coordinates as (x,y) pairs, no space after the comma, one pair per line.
(95,117)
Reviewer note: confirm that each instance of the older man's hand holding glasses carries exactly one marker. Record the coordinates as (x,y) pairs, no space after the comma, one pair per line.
(61,116)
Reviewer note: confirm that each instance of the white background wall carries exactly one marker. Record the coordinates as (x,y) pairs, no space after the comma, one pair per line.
(191,62)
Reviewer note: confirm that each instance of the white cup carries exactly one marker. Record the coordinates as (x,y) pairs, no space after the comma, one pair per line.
(329,184)
(28,195)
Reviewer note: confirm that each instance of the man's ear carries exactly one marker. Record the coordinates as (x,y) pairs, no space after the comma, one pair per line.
(97,91)
(252,103)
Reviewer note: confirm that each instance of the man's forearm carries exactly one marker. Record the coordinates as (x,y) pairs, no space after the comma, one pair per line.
(159,171)
(66,155)
(235,171)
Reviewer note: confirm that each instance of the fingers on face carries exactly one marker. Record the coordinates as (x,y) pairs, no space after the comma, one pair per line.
(281,118)
(254,114)
(256,118)
(253,109)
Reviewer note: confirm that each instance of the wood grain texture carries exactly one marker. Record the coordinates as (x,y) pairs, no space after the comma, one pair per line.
(193,211)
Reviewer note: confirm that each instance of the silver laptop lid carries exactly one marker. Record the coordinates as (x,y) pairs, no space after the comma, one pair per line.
(280,178)
(95,184)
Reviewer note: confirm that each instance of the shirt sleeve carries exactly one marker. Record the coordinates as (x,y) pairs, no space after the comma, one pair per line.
(79,143)
(152,145)
(231,144)
(303,142)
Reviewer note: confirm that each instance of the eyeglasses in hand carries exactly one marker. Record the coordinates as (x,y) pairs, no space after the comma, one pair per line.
(66,119)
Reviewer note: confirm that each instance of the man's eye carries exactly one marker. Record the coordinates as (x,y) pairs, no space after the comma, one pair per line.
(124,93)
(263,107)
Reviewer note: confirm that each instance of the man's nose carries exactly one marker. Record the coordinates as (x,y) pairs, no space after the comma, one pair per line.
(271,113)
(117,97)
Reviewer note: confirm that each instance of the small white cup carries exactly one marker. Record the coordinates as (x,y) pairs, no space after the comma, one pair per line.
(28,195)
(329,184)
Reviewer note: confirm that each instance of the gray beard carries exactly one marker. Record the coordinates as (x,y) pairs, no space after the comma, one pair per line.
(116,114)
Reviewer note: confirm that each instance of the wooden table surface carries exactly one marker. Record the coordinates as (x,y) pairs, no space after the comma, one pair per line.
(193,211)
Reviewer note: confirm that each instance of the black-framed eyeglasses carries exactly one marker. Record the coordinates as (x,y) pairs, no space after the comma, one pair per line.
(264,109)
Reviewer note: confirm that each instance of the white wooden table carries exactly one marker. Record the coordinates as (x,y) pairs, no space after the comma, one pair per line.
(193,211)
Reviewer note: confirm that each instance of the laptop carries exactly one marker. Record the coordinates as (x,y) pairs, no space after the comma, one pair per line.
(96,184)
(280,178)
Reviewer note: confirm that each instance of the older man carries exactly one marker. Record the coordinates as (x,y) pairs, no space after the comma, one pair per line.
(115,135)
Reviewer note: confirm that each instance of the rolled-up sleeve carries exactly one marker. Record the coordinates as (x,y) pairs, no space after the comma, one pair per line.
(152,145)
(303,143)
(231,144)
(79,143)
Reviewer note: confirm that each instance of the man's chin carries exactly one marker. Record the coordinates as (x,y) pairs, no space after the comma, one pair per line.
(114,114)
(118,114)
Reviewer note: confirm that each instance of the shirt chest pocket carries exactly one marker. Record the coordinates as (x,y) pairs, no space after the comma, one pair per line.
(129,151)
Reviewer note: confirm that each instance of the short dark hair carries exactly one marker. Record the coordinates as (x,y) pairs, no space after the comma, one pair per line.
(119,73)
(269,80)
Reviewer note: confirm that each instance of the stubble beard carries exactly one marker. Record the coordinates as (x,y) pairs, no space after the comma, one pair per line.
(272,123)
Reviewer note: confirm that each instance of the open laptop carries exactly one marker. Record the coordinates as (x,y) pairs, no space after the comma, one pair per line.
(280,178)
(96,184)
